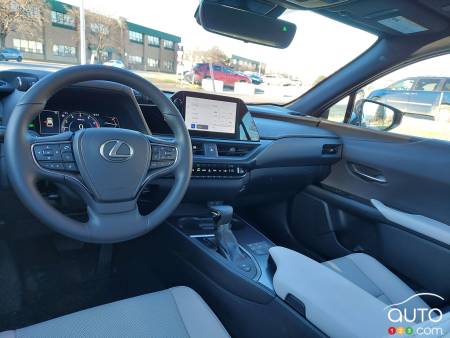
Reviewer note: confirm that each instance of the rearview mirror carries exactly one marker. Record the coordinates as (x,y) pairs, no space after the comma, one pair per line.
(244,25)
(376,115)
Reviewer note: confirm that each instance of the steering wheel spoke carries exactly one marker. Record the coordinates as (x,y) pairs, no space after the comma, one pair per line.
(113,220)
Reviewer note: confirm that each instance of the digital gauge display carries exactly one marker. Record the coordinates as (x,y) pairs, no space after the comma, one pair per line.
(52,122)
(78,121)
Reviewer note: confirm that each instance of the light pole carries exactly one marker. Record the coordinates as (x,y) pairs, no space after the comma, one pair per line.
(82,35)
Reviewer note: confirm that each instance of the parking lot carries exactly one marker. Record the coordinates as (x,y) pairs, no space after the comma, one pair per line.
(173,82)
(411,125)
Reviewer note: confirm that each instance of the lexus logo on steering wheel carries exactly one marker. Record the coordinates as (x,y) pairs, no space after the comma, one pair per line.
(116,151)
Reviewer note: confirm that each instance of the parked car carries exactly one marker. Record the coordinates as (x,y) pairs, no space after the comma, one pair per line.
(221,73)
(276,80)
(254,77)
(115,63)
(424,96)
(295,81)
(7,54)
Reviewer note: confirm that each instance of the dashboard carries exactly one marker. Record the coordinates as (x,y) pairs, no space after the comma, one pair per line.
(242,154)
(206,115)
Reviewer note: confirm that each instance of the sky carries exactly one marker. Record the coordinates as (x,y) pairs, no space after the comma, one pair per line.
(320,47)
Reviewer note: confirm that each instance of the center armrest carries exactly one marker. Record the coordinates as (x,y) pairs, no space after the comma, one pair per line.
(332,303)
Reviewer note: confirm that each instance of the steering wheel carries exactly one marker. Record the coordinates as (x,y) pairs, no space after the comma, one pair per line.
(107,167)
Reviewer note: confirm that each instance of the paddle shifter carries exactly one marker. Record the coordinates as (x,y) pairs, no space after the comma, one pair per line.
(227,244)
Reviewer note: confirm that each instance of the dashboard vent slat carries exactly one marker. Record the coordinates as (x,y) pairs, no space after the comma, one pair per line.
(197,148)
(234,150)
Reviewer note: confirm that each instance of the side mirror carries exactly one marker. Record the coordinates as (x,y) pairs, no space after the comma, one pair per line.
(244,25)
(376,115)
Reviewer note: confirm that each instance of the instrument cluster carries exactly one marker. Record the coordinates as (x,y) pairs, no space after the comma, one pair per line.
(52,122)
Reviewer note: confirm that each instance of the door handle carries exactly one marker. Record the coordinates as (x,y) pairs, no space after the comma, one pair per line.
(367,173)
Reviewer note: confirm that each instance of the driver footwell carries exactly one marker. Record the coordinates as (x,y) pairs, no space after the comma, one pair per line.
(40,280)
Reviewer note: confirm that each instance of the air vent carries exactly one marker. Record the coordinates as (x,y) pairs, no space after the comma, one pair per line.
(197,148)
(331,149)
(234,150)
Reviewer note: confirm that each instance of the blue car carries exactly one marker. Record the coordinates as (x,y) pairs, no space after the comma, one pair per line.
(7,54)
(254,77)
(420,96)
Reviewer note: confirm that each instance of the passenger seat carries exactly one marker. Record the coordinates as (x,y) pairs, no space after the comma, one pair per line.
(345,297)
(372,276)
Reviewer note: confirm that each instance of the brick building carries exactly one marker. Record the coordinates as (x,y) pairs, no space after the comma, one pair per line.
(242,64)
(139,47)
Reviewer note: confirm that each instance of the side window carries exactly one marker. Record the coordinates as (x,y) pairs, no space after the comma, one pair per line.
(217,68)
(427,85)
(337,112)
(402,85)
(406,102)
(447,85)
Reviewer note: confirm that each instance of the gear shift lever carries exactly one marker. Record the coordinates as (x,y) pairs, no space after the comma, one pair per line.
(226,242)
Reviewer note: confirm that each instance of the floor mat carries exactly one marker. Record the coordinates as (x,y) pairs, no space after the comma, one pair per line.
(54,283)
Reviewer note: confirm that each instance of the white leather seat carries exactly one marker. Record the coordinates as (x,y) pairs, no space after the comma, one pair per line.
(345,297)
(176,312)
(373,277)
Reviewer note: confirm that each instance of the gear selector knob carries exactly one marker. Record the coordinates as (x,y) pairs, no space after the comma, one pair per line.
(222,214)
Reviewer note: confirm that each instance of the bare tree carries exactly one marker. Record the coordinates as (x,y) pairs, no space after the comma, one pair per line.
(22,16)
(216,55)
(102,32)
(212,55)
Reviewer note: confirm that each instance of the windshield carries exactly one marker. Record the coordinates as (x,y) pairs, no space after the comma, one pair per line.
(161,41)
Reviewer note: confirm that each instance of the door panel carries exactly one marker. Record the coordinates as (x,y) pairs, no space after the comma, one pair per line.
(417,182)
(344,225)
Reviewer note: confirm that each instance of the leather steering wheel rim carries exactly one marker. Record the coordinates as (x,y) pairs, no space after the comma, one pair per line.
(110,220)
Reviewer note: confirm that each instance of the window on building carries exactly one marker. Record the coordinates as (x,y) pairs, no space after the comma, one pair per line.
(28,46)
(168,44)
(99,28)
(135,36)
(168,65)
(31,11)
(63,50)
(153,63)
(134,59)
(153,40)
(63,19)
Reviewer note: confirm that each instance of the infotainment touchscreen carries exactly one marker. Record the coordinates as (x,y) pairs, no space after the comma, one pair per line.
(214,116)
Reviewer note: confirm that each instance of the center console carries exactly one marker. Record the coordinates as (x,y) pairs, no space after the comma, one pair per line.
(227,261)
(230,241)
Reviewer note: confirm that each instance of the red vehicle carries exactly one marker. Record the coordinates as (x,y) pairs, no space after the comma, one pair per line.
(221,73)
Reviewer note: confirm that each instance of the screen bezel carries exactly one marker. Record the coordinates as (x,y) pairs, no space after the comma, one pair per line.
(241,110)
